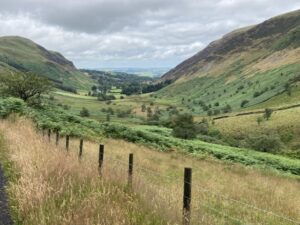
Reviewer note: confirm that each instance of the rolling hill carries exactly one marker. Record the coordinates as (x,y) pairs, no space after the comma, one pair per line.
(250,65)
(21,54)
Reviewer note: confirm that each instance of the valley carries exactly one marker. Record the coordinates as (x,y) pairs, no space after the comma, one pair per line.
(231,112)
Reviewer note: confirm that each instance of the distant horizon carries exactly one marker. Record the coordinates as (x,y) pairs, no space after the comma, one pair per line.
(150,71)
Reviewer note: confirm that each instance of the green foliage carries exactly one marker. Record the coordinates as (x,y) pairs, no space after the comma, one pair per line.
(259,120)
(11,105)
(22,55)
(104,97)
(291,39)
(268,113)
(84,112)
(56,119)
(143,108)
(244,103)
(24,85)
(184,126)
(265,143)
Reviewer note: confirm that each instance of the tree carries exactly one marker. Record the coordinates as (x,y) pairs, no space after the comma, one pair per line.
(143,109)
(24,85)
(244,103)
(84,112)
(259,120)
(227,109)
(149,112)
(108,117)
(184,126)
(268,113)
(288,89)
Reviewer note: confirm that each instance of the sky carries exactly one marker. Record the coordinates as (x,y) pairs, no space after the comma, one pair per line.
(132,33)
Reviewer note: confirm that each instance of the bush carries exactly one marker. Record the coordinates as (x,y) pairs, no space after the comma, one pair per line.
(244,103)
(265,143)
(11,105)
(104,97)
(184,126)
(84,112)
(268,113)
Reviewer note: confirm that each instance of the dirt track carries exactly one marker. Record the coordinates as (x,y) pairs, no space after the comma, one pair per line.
(5,218)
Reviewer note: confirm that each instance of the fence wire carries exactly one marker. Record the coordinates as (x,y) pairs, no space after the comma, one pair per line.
(204,190)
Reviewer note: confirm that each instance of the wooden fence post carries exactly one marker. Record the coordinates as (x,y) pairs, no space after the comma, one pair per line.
(49,134)
(187,194)
(101,157)
(80,148)
(130,170)
(67,142)
(57,138)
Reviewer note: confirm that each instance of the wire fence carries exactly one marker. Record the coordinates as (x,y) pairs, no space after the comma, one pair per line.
(197,206)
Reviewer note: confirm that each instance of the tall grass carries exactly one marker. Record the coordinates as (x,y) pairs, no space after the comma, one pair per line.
(55,188)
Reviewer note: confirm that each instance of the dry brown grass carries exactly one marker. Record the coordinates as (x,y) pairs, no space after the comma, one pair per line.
(56,188)
(50,179)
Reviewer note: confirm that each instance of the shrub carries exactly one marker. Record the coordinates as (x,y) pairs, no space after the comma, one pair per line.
(268,113)
(84,112)
(265,143)
(11,105)
(184,126)
(203,128)
(227,109)
(244,103)
(259,120)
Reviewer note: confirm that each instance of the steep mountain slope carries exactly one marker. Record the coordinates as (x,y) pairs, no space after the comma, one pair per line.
(17,53)
(252,64)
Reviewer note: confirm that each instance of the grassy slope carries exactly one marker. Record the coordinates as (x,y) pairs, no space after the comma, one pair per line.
(157,182)
(233,68)
(58,189)
(22,54)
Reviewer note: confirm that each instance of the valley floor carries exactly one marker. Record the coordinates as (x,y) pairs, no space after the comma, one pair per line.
(53,187)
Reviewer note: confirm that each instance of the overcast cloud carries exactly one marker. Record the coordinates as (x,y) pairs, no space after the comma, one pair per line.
(132,33)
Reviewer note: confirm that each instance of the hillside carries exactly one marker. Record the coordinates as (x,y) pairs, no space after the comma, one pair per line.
(117,79)
(21,54)
(252,64)
(58,184)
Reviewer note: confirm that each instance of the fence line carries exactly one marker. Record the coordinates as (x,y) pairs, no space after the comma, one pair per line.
(247,205)
(224,214)
(187,184)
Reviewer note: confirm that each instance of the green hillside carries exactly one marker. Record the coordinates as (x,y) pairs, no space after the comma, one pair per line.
(21,54)
(250,65)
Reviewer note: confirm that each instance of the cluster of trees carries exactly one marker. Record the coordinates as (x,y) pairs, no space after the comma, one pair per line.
(27,86)
(139,88)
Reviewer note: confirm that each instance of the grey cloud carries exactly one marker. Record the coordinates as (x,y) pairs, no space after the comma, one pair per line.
(132,32)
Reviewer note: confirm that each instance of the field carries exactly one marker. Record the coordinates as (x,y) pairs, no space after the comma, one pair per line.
(95,107)
(284,124)
(62,191)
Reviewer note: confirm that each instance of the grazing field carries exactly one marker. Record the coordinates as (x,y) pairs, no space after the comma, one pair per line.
(62,190)
(131,104)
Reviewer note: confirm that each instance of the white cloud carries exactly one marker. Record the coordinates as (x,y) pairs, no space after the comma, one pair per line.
(96,33)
